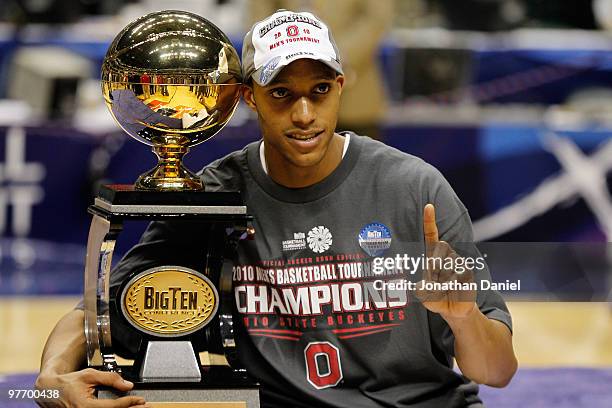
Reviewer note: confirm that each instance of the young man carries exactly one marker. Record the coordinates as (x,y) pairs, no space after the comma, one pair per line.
(321,323)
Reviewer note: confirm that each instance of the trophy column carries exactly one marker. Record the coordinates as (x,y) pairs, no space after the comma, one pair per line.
(170,309)
(100,246)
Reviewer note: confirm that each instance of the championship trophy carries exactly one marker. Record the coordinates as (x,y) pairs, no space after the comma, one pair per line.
(171,79)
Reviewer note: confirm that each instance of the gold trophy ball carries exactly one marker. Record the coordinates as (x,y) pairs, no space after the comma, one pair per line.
(171,79)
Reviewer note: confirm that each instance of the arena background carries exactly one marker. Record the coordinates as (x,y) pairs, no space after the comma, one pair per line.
(512,101)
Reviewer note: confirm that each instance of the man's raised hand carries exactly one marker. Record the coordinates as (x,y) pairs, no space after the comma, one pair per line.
(454,303)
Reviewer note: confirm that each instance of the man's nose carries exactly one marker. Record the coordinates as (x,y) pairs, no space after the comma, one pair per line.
(303,113)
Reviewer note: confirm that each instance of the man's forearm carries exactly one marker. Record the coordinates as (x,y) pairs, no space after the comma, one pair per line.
(65,349)
(63,357)
(483,349)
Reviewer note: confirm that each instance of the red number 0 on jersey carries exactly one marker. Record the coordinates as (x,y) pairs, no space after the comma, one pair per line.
(322,375)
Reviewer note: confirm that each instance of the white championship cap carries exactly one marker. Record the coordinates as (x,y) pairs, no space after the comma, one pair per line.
(282,38)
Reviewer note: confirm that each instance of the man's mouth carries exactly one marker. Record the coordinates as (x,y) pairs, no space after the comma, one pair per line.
(304,135)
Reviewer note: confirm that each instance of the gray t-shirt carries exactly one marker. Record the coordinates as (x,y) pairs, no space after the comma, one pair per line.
(317,328)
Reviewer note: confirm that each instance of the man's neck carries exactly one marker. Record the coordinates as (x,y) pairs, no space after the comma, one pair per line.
(299,177)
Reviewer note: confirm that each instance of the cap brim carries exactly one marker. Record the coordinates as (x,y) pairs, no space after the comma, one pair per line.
(264,80)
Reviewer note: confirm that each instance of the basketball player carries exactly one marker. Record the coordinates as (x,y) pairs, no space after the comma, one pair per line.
(326,206)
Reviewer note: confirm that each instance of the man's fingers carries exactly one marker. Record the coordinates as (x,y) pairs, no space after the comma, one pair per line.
(449,258)
(437,252)
(122,385)
(115,381)
(430,229)
(109,379)
(425,295)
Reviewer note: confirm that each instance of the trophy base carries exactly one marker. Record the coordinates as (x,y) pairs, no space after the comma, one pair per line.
(221,387)
(192,397)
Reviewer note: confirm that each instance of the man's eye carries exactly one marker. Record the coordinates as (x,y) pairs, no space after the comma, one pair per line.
(322,88)
(279,93)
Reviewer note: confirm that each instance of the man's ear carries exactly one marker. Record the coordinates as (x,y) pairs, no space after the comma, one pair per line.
(340,82)
(248,96)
